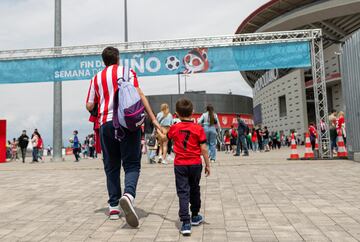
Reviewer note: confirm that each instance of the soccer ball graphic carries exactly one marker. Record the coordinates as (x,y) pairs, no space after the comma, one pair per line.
(172,63)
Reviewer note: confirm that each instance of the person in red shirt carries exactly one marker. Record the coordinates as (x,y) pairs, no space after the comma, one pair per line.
(189,141)
(233,139)
(254,140)
(227,138)
(313,135)
(340,125)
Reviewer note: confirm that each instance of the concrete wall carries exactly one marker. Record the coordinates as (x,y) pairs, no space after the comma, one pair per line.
(331,59)
(293,87)
(338,103)
(223,103)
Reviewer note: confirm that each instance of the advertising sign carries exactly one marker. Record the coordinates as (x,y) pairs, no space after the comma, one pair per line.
(162,62)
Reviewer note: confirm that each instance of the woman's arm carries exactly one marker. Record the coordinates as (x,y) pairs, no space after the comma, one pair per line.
(201,119)
(148,109)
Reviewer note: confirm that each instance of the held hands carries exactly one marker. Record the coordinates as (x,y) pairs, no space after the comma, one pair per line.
(207,170)
(161,135)
(156,124)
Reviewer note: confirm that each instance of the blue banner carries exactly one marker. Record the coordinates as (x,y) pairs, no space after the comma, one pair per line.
(167,62)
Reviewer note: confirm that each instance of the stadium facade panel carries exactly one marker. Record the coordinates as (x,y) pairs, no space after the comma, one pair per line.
(338,19)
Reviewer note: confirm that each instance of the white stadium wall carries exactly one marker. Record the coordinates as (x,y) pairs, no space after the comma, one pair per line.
(331,59)
(293,87)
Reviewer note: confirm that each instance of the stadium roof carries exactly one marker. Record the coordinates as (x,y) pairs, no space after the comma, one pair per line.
(337,19)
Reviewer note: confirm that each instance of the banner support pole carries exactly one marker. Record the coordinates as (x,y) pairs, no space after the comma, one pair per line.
(57,118)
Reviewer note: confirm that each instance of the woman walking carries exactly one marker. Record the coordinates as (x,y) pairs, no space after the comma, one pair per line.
(340,125)
(209,120)
(164,118)
(35,143)
(233,139)
(14,147)
(227,138)
(254,141)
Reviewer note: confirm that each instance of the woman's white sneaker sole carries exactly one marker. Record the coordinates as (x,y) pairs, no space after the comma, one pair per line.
(130,214)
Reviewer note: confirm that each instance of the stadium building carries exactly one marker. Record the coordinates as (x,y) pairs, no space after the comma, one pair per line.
(284,99)
(226,105)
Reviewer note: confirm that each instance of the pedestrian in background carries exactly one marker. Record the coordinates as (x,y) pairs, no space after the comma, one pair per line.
(227,137)
(209,120)
(340,125)
(333,133)
(35,143)
(164,118)
(313,135)
(76,146)
(23,144)
(243,129)
(150,140)
(14,147)
(254,140)
(260,138)
(233,139)
(266,138)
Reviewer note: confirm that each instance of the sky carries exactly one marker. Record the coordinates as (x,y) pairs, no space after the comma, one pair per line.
(30,24)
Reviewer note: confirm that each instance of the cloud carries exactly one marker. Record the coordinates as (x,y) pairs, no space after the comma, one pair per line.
(29,24)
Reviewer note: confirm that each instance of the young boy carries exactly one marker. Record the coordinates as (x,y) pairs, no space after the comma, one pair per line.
(189,144)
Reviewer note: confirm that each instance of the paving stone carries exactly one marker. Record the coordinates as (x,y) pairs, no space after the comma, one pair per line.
(263,197)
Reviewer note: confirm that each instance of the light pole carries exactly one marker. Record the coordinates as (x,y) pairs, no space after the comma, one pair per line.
(57,118)
(126,21)
(179,82)
(185,76)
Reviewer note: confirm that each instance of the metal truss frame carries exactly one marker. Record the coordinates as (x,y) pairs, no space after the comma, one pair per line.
(146,46)
(320,96)
(313,36)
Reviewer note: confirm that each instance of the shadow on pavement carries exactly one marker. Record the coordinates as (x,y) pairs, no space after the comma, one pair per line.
(142,214)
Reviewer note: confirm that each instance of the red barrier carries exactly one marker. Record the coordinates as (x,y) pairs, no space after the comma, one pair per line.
(2,141)
(68,151)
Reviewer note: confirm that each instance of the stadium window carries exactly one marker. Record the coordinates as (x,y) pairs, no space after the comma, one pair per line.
(282,106)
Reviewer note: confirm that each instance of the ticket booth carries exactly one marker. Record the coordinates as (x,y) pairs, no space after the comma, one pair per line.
(2,141)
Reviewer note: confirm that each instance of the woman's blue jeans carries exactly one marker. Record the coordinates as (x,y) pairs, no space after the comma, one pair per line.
(211,134)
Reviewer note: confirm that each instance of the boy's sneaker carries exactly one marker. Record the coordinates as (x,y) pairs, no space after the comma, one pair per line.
(114,213)
(126,203)
(197,220)
(185,229)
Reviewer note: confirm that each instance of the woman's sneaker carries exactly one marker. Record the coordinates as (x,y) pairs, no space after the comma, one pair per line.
(126,203)
(197,220)
(114,213)
(185,229)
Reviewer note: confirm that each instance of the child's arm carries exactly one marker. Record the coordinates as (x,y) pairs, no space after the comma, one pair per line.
(204,153)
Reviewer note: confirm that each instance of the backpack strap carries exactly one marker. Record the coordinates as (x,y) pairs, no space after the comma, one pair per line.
(116,122)
(125,75)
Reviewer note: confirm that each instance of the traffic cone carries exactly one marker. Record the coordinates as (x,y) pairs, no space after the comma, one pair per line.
(316,147)
(294,154)
(309,154)
(316,144)
(342,153)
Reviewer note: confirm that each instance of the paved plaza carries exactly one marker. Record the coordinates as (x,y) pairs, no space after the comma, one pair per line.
(263,197)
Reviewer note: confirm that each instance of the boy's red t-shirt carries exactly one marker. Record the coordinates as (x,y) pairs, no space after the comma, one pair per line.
(187,138)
